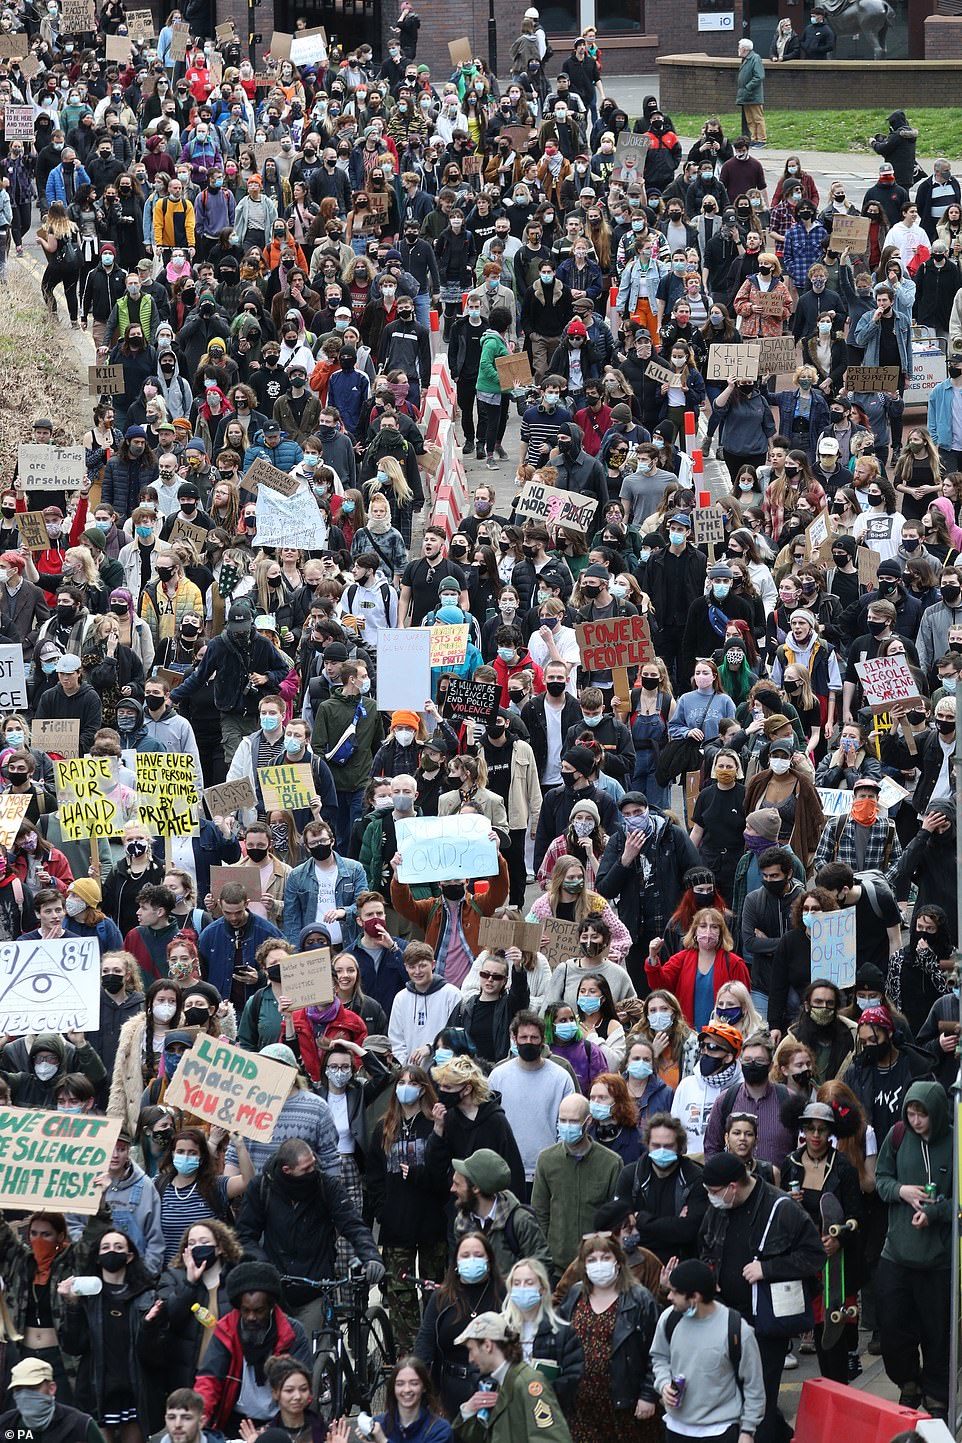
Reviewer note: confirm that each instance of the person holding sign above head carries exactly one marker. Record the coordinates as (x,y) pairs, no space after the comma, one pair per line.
(72,698)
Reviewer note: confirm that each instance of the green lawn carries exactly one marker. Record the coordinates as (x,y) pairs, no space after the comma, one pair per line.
(940,131)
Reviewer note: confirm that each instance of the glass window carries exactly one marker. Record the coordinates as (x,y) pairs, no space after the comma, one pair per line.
(620,17)
(561,17)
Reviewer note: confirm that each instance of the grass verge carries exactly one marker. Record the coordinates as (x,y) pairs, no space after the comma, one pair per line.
(940,131)
(39,370)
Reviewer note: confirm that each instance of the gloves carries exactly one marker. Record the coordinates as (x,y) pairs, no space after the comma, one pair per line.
(374,1271)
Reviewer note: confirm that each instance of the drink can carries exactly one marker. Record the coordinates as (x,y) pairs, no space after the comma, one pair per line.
(931,1191)
(679,1383)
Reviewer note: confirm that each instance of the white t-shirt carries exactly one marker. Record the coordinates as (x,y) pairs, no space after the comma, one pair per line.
(326,879)
(337,1102)
(552,767)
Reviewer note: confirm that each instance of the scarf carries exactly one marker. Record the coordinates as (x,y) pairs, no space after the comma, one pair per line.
(319,1017)
(45,1252)
(725,1077)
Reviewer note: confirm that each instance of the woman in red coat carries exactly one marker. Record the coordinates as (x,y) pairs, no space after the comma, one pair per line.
(38,863)
(697,973)
(316,1027)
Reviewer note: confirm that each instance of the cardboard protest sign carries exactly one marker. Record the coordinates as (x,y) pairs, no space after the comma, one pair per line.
(733,362)
(555,507)
(849,232)
(53,1160)
(17,122)
(471,165)
(309,47)
(708,524)
(77,15)
(887,679)
(618,641)
(475,699)
(445,849)
(240,1091)
(13,680)
(872,378)
(460,51)
(280,46)
(517,135)
(404,669)
(14,47)
(776,355)
(86,807)
(178,42)
(286,788)
(247,875)
(513,370)
(60,735)
(186,531)
(891,794)
(225,32)
(867,562)
(816,533)
(662,375)
(229,797)
(559,941)
(30,66)
(50,468)
(262,473)
(13,809)
(118,47)
(500,933)
(140,24)
(449,644)
(266,150)
(107,380)
(280,518)
(49,985)
(769,303)
(306,978)
(832,939)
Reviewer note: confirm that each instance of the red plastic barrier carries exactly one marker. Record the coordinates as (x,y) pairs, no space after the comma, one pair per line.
(830,1411)
(698,464)
(690,427)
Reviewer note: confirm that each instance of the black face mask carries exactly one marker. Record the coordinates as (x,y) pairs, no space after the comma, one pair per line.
(840,558)
(113,1261)
(452,891)
(945,728)
(555,688)
(203,1254)
(320,851)
(775,889)
(529,1051)
(755,1072)
(196,1016)
(257,854)
(448,1098)
(112,983)
(873,1052)
(877,627)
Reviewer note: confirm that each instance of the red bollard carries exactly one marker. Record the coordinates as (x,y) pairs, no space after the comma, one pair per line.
(698,461)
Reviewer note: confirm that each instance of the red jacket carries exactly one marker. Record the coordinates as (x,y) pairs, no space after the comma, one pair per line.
(504,672)
(56,864)
(219,1383)
(345,1026)
(678,975)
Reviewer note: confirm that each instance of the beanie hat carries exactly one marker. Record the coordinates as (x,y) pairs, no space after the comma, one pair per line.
(88,890)
(719,1171)
(891,567)
(581,759)
(577,328)
(279,1052)
(590,808)
(253,1278)
(621,413)
(868,975)
(405,719)
(764,823)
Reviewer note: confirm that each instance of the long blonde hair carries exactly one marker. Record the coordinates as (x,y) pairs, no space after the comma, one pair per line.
(399,486)
(82,557)
(586,904)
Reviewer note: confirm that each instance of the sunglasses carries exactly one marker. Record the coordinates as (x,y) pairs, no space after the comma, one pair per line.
(493,976)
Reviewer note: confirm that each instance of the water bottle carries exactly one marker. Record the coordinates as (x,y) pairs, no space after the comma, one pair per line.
(485,1385)
(88,1287)
(203,1315)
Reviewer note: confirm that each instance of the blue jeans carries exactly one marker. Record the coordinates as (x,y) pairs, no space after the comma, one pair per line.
(644,780)
(422,310)
(348,811)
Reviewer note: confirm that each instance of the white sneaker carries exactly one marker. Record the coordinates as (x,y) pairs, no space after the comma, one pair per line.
(791,1362)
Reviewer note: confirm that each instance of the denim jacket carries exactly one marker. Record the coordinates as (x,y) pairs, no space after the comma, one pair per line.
(300,898)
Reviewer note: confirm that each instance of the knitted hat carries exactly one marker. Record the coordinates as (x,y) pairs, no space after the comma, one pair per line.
(279,1052)
(764,823)
(621,413)
(88,890)
(95,538)
(588,807)
(870,976)
(405,719)
(581,759)
(577,328)
(253,1278)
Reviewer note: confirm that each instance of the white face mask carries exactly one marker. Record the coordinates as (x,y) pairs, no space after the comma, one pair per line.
(718,1200)
(45,1070)
(164,1011)
(780,765)
(404,735)
(603,1271)
(74,906)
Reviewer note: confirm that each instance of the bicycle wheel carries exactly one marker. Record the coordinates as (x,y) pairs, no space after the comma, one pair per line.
(327,1387)
(379,1357)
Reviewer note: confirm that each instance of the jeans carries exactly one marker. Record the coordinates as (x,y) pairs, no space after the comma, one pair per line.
(644,780)
(760,1003)
(348,811)
(422,310)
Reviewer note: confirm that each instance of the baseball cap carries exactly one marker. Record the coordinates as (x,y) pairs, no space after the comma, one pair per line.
(494,1326)
(68,663)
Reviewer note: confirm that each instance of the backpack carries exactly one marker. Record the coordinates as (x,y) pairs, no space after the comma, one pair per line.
(351,594)
(872,874)
(734,1337)
(870,881)
(510,1231)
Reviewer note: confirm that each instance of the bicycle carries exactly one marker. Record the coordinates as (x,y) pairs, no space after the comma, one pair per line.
(353,1371)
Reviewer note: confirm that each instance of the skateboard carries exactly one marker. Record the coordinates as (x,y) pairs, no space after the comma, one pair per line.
(836,1311)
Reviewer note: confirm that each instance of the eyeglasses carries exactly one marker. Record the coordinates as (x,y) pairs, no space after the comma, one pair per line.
(493,976)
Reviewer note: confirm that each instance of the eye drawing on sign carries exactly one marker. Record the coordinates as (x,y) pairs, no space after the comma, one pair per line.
(38,991)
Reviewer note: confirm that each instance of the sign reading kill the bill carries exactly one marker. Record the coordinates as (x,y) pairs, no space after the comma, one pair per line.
(733,361)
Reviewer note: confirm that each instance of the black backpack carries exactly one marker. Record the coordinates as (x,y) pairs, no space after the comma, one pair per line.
(734,1336)
(510,1232)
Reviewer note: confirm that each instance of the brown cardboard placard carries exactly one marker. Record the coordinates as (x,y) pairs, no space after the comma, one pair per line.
(872,378)
(266,150)
(500,933)
(119,48)
(280,46)
(225,32)
(288,787)
(559,940)
(730,361)
(471,164)
(239,1091)
(106,380)
(518,135)
(708,523)
(849,232)
(306,978)
(692,788)
(60,735)
(769,303)
(140,24)
(246,873)
(379,201)
(32,527)
(30,66)
(180,37)
(513,370)
(867,562)
(460,51)
(777,355)
(77,16)
(262,473)
(187,531)
(15,47)
(661,374)
(228,797)
(617,641)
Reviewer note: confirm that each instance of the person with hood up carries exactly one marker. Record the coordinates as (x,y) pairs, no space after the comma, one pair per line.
(38,1086)
(913,1278)
(295,343)
(422,1009)
(898,148)
(577,471)
(291,1217)
(204,324)
(130,724)
(172,386)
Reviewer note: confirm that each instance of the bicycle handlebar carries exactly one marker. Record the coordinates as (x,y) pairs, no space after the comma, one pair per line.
(325,1284)
(426,1284)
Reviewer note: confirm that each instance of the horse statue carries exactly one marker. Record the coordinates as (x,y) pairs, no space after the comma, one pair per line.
(871,18)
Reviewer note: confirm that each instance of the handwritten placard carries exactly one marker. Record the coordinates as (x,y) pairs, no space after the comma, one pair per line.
(477,700)
(559,940)
(262,473)
(500,933)
(107,380)
(32,527)
(287,788)
(17,122)
(445,849)
(54,1161)
(832,939)
(78,15)
(306,978)
(836,801)
(50,468)
(776,355)
(227,797)
(554,507)
(733,362)
(49,985)
(14,47)
(617,641)
(770,303)
(872,378)
(887,679)
(86,807)
(57,735)
(140,24)
(513,370)
(186,531)
(661,375)
(708,526)
(13,809)
(849,232)
(13,680)
(630,151)
(239,1091)
(449,643)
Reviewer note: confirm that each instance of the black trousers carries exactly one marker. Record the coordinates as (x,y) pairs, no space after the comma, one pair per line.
(467,387)
(913,1317)
(773,1427)
(517,872)
(492,421)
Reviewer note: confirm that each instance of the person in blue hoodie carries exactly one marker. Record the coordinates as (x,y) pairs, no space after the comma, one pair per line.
(454,616)
(347,390)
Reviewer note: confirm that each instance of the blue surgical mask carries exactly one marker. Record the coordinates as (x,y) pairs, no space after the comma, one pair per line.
(292,745)
(408,1093)
(570,1132)
(144,533)
(566,1031)
(663,1156)
(593,721)
(677,537)
(721,589)
(49,667)
(525,1298)
(347,507)
(589,1004)
(310,459)
(600,1111)
(15,739)
(948,683)
(472,1270)
(442,1055)
(186,1166)
(639,1069)
(270,721)
(507,653)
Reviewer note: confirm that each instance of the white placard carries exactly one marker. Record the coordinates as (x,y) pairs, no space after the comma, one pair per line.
(289,520)
(445,849)
(50,468)
(404,669)
(13,681)
(50,986)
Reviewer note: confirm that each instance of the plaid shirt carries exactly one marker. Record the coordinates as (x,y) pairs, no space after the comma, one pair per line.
(881,853)
(802,249)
